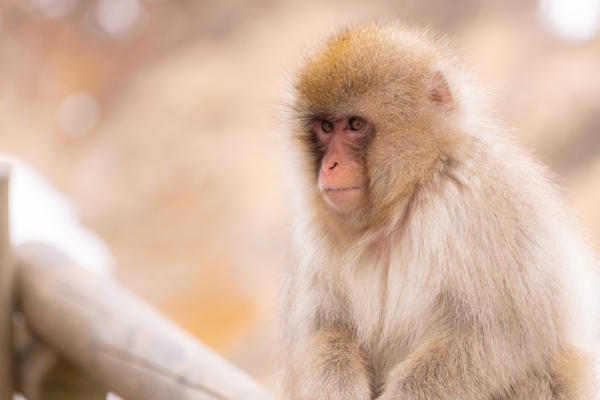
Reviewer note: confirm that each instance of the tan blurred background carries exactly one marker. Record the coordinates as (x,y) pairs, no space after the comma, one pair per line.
(159,119)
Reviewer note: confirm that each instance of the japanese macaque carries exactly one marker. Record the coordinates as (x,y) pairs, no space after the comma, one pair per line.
(434,257)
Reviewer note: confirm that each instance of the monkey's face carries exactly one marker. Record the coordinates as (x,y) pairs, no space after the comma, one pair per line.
(342,179)
(372,119)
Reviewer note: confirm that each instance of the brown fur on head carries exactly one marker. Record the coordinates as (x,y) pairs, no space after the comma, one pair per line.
(391,77)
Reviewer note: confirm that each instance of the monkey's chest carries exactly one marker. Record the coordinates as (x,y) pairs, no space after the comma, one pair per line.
(388,306)
(366,297)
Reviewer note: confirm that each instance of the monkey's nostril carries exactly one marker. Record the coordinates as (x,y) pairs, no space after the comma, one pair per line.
(333,165)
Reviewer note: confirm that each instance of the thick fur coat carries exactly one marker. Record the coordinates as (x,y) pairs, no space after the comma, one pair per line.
(460,277)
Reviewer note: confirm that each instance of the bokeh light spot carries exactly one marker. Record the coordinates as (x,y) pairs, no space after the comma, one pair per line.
(574,19)
(117,17)
(78,113)
(51,8)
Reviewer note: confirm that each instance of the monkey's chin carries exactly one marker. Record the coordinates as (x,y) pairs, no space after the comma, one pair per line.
(343,200)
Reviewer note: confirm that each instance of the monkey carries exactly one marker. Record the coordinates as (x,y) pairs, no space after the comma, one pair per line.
(434,258)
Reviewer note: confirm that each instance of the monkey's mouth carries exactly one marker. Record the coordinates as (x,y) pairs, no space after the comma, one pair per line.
(343,199)
(343,189)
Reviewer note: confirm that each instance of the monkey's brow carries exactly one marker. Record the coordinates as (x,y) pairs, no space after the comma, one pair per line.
(310,119)
(310,116)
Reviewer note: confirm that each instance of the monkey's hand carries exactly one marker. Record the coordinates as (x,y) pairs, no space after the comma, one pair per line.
(332,367)
(448,365)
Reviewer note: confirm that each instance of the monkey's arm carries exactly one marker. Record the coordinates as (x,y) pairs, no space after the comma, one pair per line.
(460,361)
(446,365)
(331,366)
(439,368)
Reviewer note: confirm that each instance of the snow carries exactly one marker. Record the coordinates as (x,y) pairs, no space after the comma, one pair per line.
(39,212)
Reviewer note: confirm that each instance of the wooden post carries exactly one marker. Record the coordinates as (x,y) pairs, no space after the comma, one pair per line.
(6,290)
(116,338)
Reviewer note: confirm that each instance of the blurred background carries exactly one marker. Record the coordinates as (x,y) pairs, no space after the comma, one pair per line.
(158,118)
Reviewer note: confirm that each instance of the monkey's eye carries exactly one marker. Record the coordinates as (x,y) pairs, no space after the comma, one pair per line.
(356,124)
(327,126)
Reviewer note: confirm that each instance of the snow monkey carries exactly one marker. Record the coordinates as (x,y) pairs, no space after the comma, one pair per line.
(435,260)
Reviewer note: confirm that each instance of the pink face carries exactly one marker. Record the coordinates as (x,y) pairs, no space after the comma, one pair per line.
(342,177)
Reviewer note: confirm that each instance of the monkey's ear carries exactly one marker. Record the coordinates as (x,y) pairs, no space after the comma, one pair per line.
(439,91)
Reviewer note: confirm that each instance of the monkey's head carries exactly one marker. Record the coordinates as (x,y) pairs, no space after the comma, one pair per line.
(374,115)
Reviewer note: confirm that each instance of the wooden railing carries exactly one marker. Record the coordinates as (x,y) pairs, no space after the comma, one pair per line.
(68,333)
